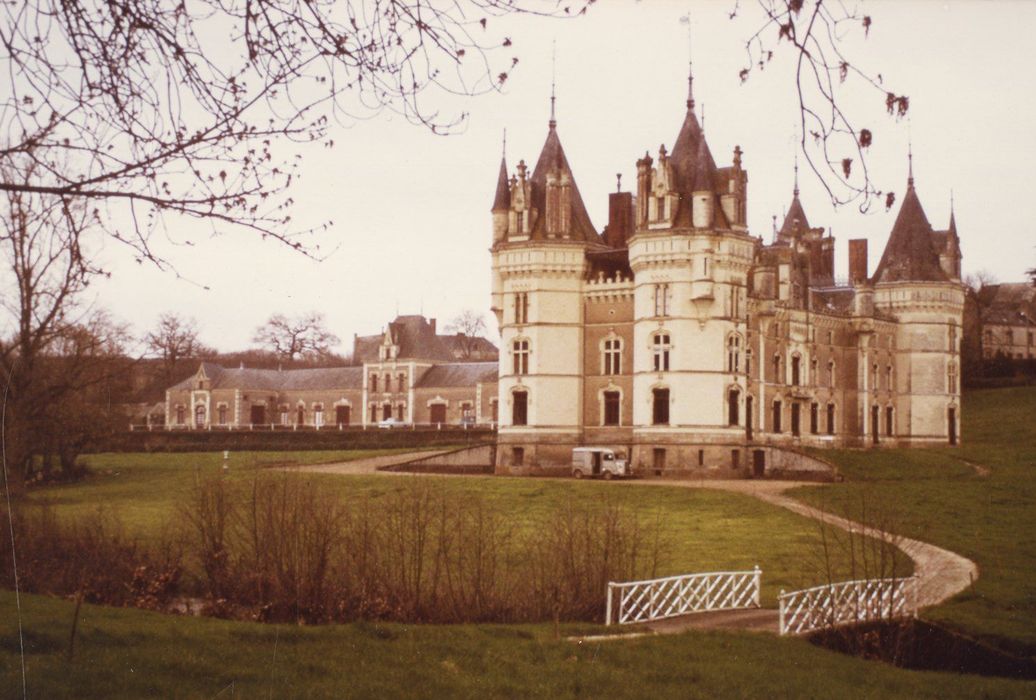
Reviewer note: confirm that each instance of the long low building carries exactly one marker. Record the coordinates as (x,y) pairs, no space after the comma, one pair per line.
(409,374)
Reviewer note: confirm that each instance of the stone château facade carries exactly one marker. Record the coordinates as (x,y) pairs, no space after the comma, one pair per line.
(680,338)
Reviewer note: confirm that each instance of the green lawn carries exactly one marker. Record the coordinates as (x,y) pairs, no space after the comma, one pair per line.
(706,530)
(136,654)
(937,497)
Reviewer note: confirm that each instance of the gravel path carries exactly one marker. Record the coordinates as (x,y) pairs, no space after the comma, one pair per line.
(370,465)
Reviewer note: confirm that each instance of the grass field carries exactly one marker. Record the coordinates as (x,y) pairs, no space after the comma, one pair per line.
(136,654)
(937,497)
(933,495)
(707,530)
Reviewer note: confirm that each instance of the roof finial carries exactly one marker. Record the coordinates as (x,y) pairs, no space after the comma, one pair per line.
(504,153)
(618,182)
(553,79)
(951,201)
(686,19)
(796,190)
(910,157)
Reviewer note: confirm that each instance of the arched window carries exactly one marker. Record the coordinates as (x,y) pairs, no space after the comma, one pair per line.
(521,357)
(814,376)
(612,356)
(776,419)
(660,407)
(520,408)
(734,353)
(301,415)
(733,407)
(660,347)
(777,378)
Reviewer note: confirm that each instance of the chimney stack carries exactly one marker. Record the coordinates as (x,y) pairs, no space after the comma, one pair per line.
(620,219)
(857,261)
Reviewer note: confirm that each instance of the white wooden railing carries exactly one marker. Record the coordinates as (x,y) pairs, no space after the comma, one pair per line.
(657,599)
(846,603)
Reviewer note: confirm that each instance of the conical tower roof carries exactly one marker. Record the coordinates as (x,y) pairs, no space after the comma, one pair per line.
(553,155)
(693,165)
(502,200)
(795,219)
(910,254)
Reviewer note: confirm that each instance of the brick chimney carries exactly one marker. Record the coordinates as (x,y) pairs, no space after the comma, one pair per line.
(857,260)
(620,219)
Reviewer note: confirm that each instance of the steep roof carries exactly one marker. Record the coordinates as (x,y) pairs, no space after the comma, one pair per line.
(278,380)
(502,200)
(459,374)
(910,253)
(417,339)
(551,155)
(795,219)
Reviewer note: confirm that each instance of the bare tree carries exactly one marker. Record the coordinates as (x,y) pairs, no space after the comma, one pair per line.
(834,145)
(470,327)
(175,338)
(150,108)
(296,338)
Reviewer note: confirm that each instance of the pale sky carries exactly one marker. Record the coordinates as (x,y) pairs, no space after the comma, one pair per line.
(411,209)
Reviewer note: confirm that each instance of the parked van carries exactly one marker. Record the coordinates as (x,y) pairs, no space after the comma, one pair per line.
(598,461)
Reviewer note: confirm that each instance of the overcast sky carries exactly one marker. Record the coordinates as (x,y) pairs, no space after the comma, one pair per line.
(411,210)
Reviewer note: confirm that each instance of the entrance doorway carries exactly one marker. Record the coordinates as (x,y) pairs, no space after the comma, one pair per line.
(438,413)
(342,415)
(658,460)
(758,463)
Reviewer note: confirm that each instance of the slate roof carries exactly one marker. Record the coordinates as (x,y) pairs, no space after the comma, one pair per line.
(552,154)
(1011,304)
(278,380)
(795,219)
(910,253)
(502,200)
(417,339)
(459,374)
(694,168)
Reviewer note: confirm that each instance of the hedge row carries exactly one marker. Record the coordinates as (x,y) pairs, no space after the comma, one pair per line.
(205,441)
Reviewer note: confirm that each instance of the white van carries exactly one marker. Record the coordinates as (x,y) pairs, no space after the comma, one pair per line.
(598,461)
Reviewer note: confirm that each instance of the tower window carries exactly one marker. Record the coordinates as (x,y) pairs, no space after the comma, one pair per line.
(613,356)
(776,416)
(796,363)
(830,419)
(733,409)
(611,408)
(520,408)
(521,357)
(660,407)
(661,300)
(734,353)
(521,307)
(660,348)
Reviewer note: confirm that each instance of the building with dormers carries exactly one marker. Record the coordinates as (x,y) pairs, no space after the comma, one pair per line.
(678,337)
(408,373)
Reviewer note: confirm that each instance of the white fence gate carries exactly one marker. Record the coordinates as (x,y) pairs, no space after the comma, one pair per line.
(657,599)
(847,602)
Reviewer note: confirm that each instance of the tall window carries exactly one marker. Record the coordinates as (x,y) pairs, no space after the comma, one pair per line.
(613,356)
(179,415)
(661,300)
(795,409)
(221,411)
(889,430)
(888,377)
(814,418)
(734,353)
(777,378)
(814,376)
(521,357)
(399,412)
(611,408)
(660,407)
(199,416)
(875,377)
(748,361)
(521,307)
(660,209)
(796,370)
(401,383)
(951,379)
(733,409)
(374,413)
(660,350)
(776,416)
(830,419)
(520,408)
(374,383)
(318,415)
(831,373)
(301,416)
(953,338)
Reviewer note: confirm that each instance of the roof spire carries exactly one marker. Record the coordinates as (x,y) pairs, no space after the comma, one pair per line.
(910,157)
(553,79)
(796,190)
(504,152)
(686,19)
